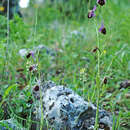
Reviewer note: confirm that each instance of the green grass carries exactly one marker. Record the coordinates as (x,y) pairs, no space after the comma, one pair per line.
(75,65)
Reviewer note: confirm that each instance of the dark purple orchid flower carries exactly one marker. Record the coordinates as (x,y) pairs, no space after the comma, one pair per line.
(33,68)
(31,53)
(102,29)
(91,13)
(36,88)
(105,80)
(101,2)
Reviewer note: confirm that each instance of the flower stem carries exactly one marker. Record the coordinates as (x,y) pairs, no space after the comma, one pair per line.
(97,82)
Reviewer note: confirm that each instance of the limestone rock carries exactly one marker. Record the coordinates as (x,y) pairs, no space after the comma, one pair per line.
(64,109)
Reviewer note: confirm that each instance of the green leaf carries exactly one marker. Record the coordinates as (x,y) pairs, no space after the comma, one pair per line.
(7,92)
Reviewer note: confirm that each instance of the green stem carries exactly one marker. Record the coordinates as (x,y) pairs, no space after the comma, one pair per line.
(89,3)
(42,117)
(97,82)
(7,44)
(98,99)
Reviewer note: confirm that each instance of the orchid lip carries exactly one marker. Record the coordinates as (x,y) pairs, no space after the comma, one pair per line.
(102,29)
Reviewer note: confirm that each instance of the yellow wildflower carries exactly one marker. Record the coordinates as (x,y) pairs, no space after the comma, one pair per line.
(82,70)
(2,8)
(104,51)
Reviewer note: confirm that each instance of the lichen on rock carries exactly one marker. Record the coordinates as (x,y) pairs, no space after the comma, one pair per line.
(64,109)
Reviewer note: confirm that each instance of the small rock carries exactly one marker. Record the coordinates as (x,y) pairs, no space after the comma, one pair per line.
(125,84)
(40,48)
(23,52)
(9,124)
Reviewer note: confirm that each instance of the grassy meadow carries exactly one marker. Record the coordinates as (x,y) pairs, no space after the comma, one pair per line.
(83,59)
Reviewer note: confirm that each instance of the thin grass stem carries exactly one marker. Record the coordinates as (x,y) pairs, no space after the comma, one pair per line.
(97,81)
